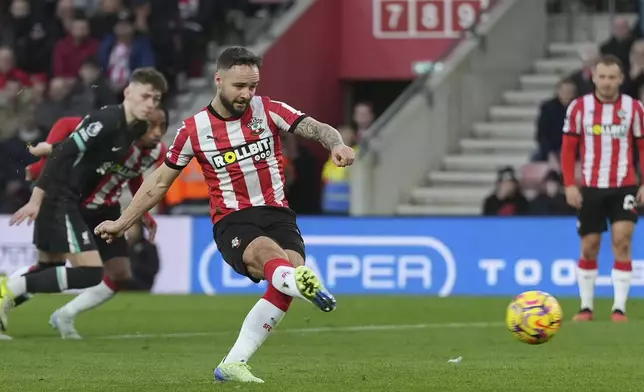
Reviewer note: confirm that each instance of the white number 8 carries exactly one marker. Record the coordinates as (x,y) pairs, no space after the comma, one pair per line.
(629,202)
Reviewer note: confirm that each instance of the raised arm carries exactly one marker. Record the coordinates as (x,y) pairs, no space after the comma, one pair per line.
(155,185)
(322,133)
(292,120)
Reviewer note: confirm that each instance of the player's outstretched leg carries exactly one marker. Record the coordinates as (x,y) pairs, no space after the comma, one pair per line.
(257,326)
(50,280)
(300,282)
(63,319)
(32,269)
(117,274)
(7,301)
(264,258)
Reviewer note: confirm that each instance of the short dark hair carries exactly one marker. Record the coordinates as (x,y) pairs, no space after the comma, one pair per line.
(237,55)
(609,59)
(151,76)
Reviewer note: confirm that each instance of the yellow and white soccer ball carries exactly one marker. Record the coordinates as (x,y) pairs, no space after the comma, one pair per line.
(534,317)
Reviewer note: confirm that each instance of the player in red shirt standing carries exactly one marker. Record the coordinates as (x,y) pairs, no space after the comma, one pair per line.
(603,127)
(236,140)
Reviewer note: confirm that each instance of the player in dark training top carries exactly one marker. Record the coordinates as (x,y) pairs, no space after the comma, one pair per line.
(74,169)
(103,203)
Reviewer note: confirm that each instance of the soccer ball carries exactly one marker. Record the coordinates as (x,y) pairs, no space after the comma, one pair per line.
(534,317)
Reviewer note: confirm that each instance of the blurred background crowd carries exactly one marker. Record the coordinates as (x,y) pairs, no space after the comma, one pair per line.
(66,57)
(63,58)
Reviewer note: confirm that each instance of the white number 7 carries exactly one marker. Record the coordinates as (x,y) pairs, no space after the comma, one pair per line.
(395,12)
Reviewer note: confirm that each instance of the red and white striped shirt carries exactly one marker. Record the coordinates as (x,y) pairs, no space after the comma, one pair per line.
(241,158)
(137,162)
(606,132)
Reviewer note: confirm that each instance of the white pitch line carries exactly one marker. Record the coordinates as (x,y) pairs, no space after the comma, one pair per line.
(355,328)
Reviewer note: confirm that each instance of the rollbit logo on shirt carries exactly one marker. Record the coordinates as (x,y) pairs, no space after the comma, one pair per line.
(258,150)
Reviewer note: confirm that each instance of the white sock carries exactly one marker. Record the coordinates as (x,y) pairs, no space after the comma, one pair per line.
(586,281)
(17,285)
(284,281)
(258,324)
(621,286)
(88,299)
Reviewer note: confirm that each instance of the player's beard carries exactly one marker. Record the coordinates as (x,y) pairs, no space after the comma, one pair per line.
(230,107)
(607,94)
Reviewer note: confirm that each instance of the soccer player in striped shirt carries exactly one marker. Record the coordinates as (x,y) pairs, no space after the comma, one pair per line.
(236,140)
(604,128)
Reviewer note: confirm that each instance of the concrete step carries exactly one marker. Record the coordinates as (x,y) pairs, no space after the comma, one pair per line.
(446,210)
(452,195)
(497,145)
(539,82)
(567,49)
(505,130)
(462,178)
(198,83)
(524,98)
(514,113)
(484,162)
(556,66)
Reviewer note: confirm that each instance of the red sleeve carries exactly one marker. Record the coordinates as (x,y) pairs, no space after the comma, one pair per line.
(284,116)
(572,122)
(180,152)
(59,132)
(36,168)
(572,129)
(62,129)
(638,124)
(569,150)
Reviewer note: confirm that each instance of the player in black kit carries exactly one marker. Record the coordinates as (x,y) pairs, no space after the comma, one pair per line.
(73,170)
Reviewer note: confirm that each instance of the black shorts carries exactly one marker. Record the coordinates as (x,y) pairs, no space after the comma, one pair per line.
(234,232)
(60,228)
(94,217)
(602,205)
(65,227)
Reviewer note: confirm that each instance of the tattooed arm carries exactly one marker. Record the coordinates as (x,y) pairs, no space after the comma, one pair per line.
(341,154)
(322,133)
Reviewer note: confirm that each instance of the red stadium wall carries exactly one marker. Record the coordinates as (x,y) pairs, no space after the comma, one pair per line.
(381,39)
(359,40)
(303,67)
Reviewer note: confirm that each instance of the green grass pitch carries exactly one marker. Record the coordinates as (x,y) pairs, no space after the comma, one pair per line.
(172,343)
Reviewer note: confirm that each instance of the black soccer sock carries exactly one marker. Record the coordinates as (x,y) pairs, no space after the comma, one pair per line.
(21,299)
(42,265)
(55,280)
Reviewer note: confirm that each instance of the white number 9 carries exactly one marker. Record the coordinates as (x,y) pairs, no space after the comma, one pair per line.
(466,16)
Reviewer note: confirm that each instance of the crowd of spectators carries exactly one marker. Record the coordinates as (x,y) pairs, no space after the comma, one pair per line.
(513,192)
(66,57)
